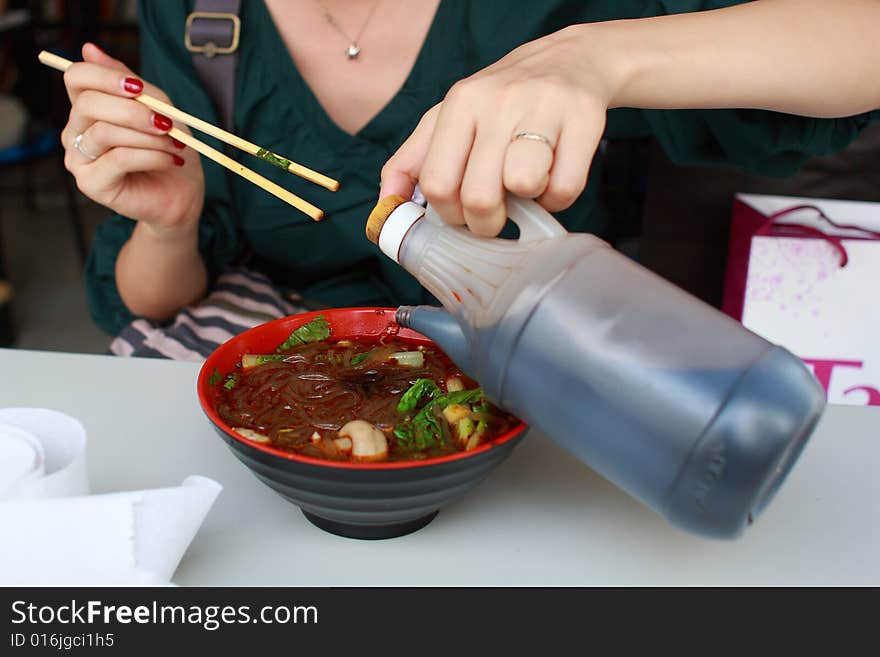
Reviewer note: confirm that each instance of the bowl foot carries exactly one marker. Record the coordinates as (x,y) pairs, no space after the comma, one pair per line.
(369,532)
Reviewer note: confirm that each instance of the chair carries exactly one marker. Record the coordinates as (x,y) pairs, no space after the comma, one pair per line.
(40,142)
(40,145)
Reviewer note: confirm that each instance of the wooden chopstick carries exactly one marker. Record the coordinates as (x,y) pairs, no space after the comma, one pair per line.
(62,64)
(288,197)
(239,143)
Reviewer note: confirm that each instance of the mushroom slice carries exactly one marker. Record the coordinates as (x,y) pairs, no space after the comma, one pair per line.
(367,442)
(343,444)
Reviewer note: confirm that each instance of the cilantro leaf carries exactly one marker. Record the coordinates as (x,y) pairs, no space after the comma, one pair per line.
(357,359)
(426,427)
(404,435)
(419,390)
(460,397)
(315,331)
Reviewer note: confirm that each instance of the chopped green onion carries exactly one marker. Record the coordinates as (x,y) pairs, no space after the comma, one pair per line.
(252,360)
(272,158)
(409,358)
(464,429)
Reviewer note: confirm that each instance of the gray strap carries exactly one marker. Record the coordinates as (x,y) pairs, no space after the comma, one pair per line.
(217,70)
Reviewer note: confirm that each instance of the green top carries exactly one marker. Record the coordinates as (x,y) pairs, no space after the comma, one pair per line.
(332,262)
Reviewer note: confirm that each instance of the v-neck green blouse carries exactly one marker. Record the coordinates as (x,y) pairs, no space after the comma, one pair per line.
(332,263)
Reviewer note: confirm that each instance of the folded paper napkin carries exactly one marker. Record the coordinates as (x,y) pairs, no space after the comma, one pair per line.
(52,532)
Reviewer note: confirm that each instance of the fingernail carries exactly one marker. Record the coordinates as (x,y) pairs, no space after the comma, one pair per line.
(177,144)
(162,122)
(132,85)
(178,160)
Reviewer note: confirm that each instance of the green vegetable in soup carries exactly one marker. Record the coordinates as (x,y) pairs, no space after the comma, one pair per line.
(427,428)
(231,381)
(431,426)
(315,331)
(357,359)
(252,360)
(421,432)
(419,390)
(215,377)
(463,429)
(460,397)
(412,359)
(404,435)
(408,358)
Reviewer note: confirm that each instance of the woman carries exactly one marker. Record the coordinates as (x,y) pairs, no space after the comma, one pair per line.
(528,121)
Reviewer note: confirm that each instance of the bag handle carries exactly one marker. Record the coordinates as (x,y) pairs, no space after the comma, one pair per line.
(773,227)
(212,34)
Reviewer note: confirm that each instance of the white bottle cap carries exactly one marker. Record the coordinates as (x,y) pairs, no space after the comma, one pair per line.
(397,226)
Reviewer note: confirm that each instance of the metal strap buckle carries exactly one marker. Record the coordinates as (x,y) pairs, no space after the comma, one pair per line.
(210,48)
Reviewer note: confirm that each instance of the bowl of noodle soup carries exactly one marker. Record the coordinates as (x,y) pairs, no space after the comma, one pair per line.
(283,397)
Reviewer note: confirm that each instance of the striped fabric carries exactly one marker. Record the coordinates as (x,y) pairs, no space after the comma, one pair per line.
(241,299)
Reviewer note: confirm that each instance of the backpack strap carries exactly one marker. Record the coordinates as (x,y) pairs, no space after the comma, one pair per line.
(212,34)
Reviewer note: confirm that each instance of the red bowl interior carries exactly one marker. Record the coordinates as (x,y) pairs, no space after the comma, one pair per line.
(345,323)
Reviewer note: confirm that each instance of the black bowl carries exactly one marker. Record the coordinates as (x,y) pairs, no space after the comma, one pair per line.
(358,500)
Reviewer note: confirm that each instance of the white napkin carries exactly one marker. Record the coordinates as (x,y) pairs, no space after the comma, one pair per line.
(54,446)
(53,533)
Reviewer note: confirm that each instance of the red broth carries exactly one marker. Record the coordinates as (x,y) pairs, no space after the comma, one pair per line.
(299,404)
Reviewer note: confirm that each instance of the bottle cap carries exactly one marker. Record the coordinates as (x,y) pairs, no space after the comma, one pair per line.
(390,221)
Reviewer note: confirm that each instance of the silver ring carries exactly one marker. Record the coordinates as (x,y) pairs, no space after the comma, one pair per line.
(78,145)
(534,136)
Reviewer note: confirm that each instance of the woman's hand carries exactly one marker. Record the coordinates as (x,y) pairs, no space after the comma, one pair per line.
(465,153)
(529,124)
(125,160)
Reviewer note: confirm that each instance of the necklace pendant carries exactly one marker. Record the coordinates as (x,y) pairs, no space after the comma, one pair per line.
(353,51)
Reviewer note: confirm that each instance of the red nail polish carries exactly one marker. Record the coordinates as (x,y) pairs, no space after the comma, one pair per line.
(162,122)
(133,85)
(179,161)
(177,144)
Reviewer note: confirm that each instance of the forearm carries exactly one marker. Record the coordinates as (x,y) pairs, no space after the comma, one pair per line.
(157,274)
(808,57)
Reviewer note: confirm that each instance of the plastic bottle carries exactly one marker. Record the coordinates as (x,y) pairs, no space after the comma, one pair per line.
(665,396)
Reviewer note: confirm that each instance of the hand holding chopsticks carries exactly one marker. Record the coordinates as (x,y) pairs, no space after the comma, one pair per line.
(62,64)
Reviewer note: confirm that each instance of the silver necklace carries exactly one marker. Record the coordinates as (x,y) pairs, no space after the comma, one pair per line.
(354,48)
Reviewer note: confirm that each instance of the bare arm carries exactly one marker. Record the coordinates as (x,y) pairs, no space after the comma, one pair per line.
(810,57)
(127,162)
(159,273)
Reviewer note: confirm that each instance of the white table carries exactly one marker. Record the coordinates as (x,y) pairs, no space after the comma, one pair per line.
(541,518)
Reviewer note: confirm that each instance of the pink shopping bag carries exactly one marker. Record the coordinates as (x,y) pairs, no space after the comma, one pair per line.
(805,274)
